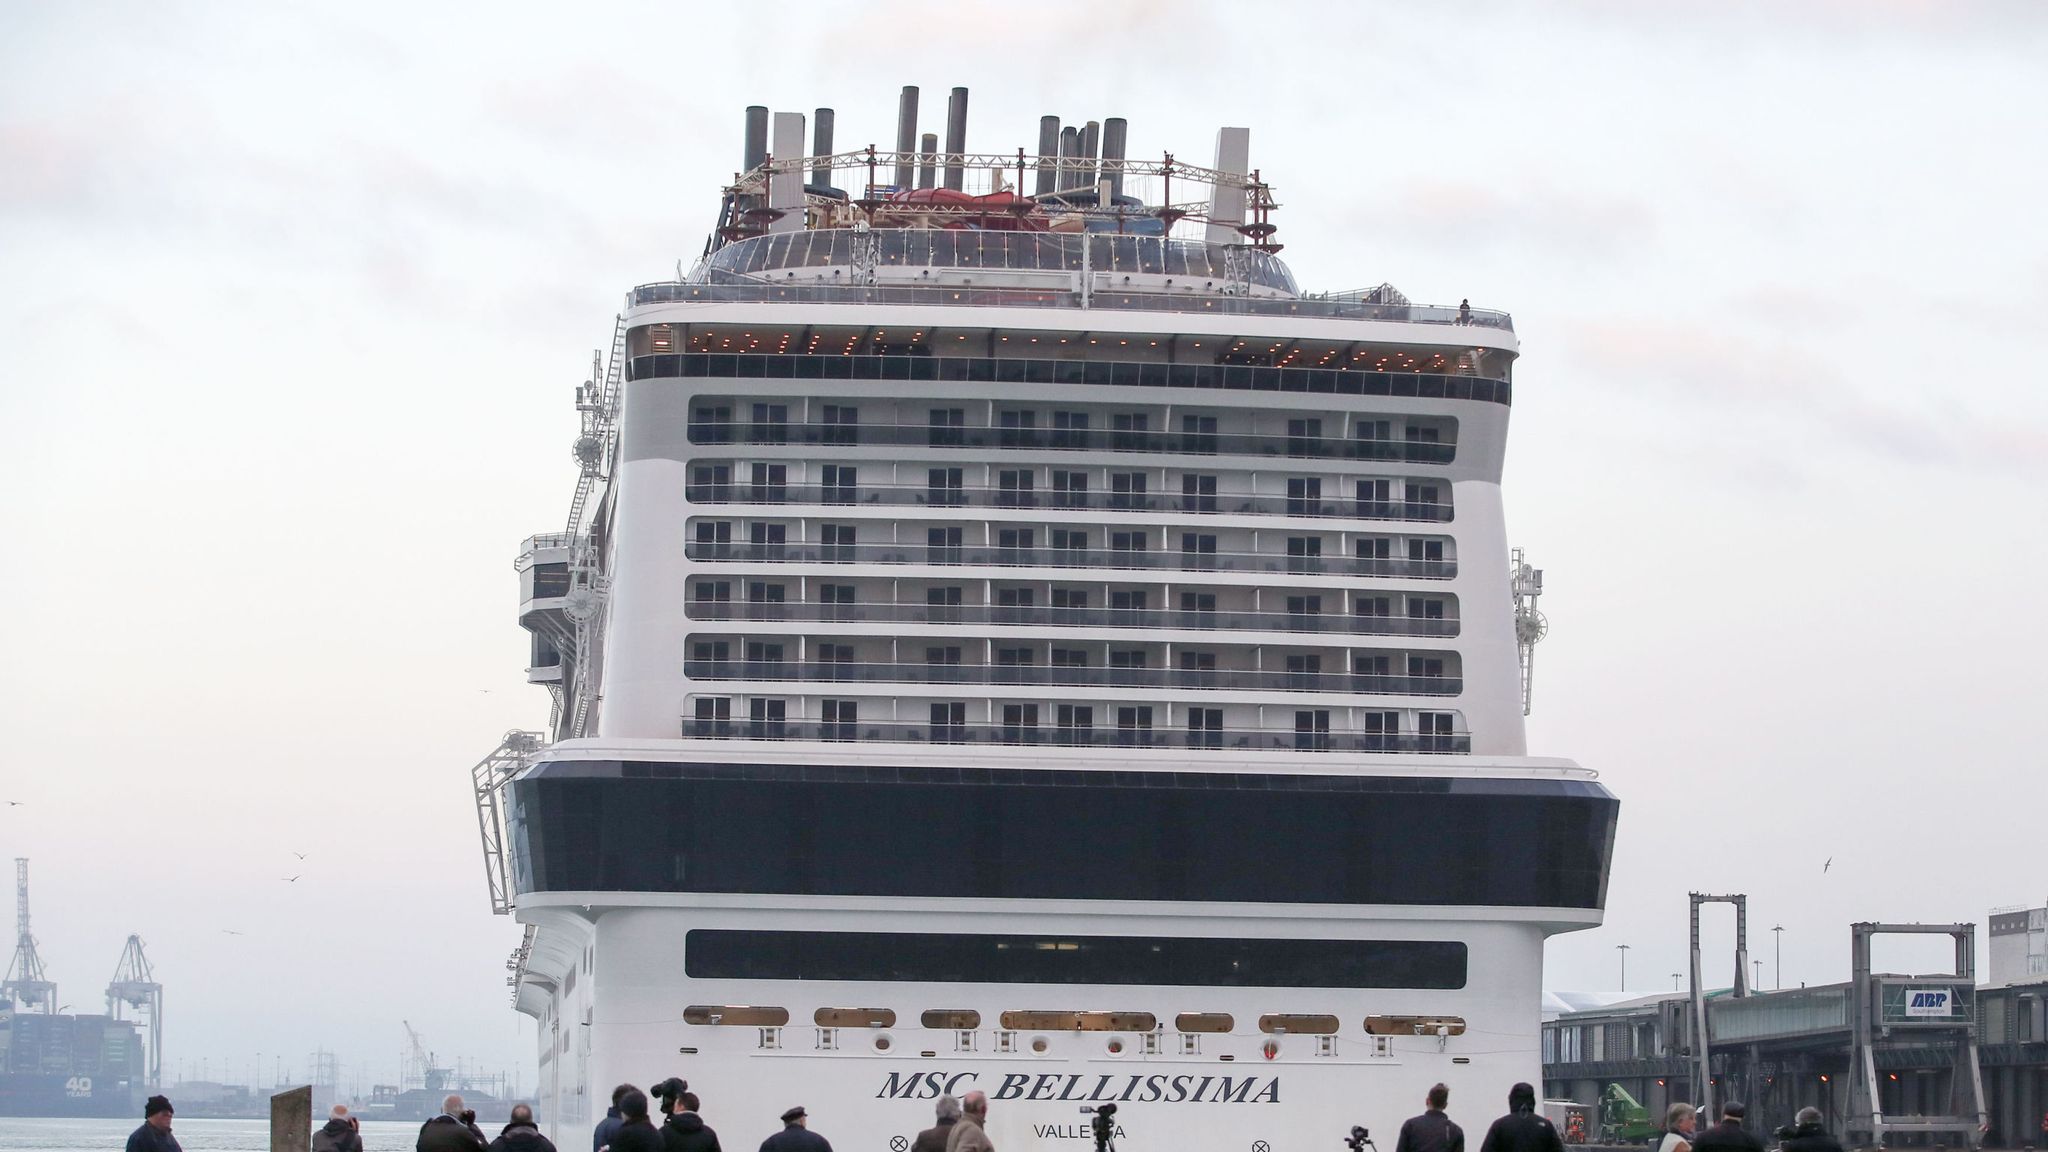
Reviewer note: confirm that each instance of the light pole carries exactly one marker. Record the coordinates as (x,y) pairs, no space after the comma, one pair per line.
(1759,966)
(1623,949)
(1778,955)
(1677,981)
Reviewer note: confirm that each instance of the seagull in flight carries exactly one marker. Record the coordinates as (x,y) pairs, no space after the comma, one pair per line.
(1830,863)
(14,803)
(292,879)
(300,855)
(231,932)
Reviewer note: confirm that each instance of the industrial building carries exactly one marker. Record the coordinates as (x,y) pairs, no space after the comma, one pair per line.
(1929,1059)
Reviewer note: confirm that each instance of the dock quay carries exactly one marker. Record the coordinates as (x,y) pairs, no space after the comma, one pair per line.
(1931,1060)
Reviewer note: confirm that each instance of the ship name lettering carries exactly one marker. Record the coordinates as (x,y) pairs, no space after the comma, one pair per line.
(1053,1087)
(922,1085)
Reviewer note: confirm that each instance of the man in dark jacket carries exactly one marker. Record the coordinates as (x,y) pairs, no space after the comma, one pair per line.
(1807,1135)
(1432,1131)
(155,1133)
(522,1134)
(686,1131)
(1728,1135)
(610,1124)
(454,1130)
(338,1134)
(796,1135)
(636,1132)
(933,1139)
(1522,1130)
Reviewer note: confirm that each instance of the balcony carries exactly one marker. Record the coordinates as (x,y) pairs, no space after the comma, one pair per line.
(844,672)
(914,495)
(999,557)
(1075,440)
(1126,374)
(1327,623)
(1210,739)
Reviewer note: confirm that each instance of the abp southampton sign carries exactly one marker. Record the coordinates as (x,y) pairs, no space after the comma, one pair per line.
(1921,1004)
(1925,1002)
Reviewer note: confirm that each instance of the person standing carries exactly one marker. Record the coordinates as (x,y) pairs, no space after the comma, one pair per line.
(601,1138)
(454,1130)
(522,1134)
(1679,1121)
(155,1133)
(796,1135)
(1522,1129)
(1728,1135)
(970,1134)
(685,1130)
(1432,1131)
(636,1132)
(933,1139)
(1808,1135)
(339,1134)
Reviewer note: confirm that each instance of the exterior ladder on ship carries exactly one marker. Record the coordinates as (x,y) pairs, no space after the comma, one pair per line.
(599,404)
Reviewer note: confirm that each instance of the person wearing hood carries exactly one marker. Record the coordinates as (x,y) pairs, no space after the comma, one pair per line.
(1523,1129)
(522,1134)
(1807,1134)
(339,1134)
(685,1130)
(155,1133)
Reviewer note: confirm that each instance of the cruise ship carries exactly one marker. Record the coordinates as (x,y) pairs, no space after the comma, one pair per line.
(1009,636)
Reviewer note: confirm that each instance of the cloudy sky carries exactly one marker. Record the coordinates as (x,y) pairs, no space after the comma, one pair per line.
(293,299)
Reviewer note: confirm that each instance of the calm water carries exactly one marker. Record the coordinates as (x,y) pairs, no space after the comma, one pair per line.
(194,1135)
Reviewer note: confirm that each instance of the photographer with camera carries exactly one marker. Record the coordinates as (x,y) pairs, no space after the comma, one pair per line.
(454,1130)
(1432,1131)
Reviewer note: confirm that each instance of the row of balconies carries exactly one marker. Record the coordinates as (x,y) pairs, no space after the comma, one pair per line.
(1025,723)
(1305,614)
(1073,677)
(1191,559)
(1374,499)
(1238,432)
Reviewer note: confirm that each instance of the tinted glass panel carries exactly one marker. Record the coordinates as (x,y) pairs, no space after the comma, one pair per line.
(992,833)
(721,954)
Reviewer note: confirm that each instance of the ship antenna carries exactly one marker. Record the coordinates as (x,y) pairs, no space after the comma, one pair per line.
(1530,626)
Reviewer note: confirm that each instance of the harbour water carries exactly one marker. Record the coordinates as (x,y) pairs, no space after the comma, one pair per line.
(55,1135)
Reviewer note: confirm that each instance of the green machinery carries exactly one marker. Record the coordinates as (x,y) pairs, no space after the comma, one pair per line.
(1623,1120)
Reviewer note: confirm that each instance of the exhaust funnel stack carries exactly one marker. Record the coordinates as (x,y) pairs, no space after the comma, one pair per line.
(1070,152)
(906,134)
(1090,136)
(821,145)
(956,140)
(756,149)
(928,160)
(1048,154)
(1114,130)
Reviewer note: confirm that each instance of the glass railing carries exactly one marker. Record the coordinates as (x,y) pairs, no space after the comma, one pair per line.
(1109,373)
(1217,739)
(1024,674)
(1075,439)
(983,497)
(1200,303)
(1318,622)
(1164,559)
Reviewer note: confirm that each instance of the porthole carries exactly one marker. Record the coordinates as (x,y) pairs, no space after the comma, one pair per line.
(883,1042)
(1115,1046)
(1040,1045)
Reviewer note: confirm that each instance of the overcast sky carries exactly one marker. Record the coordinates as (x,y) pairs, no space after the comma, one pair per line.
(293,299)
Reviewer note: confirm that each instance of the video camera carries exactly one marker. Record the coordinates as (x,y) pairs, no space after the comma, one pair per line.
(1101,1126)
(1360,1140)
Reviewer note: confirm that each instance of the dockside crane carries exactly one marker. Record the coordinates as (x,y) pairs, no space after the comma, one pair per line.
(135,987)
(26,983)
